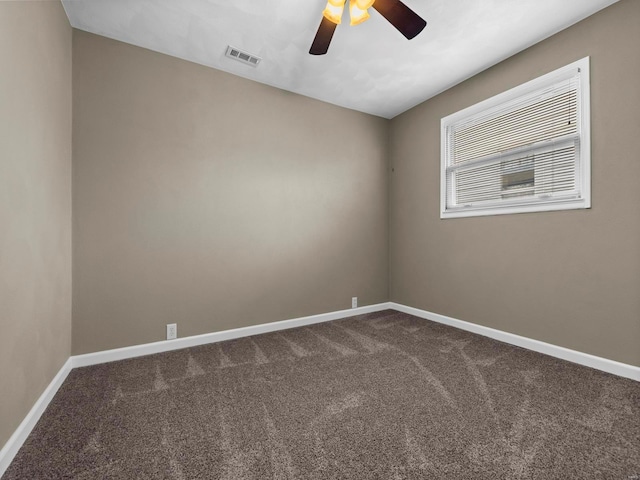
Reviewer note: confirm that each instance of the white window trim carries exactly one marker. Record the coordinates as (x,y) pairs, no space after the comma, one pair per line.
(526,205)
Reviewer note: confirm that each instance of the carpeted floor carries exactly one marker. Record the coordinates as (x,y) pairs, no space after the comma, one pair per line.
(379,396)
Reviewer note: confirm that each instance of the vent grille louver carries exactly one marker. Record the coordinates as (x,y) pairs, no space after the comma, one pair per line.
(243,57)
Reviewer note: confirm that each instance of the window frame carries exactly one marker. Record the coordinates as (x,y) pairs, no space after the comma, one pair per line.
(526,204)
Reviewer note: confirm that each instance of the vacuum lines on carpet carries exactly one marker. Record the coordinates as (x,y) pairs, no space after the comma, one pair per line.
(384,395)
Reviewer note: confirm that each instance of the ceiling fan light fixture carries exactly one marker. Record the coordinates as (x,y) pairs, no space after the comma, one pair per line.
(333,13)
(358,15)
(403,19)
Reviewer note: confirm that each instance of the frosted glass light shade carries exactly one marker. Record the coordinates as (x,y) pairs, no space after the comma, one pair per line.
(333,13)
(357,14)
(363,4)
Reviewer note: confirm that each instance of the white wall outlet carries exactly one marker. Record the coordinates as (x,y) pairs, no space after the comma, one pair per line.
(354,302)
(172,331)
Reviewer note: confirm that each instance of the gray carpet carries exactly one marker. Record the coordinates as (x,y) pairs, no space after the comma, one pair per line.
(379,396)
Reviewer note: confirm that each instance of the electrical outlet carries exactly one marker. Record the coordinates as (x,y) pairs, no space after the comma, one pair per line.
(354,302)
(172,331)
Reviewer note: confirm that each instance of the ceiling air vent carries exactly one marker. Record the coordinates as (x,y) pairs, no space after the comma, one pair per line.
(243,57)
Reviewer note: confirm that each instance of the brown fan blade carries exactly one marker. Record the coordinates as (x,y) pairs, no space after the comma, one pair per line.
(321,43)
(400,16)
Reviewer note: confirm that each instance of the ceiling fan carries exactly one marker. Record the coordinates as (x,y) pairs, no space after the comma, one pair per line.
(397,13)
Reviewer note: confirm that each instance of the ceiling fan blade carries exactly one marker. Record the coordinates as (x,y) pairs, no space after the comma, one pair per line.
(321,43)
(408,22)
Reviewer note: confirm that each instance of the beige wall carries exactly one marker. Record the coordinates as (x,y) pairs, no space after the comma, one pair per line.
(35,203)
(215,202)
(570,278)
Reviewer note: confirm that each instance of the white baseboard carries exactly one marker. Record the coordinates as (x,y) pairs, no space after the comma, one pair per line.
(16,440)
(588,360)
(599,363)
(168,345)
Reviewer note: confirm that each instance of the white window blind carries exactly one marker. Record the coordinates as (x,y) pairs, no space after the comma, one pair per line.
(521,151)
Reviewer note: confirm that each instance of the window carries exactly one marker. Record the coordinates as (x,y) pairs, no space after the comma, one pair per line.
(525,150)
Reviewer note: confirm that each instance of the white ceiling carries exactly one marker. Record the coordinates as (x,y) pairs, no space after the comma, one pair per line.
(370,67)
